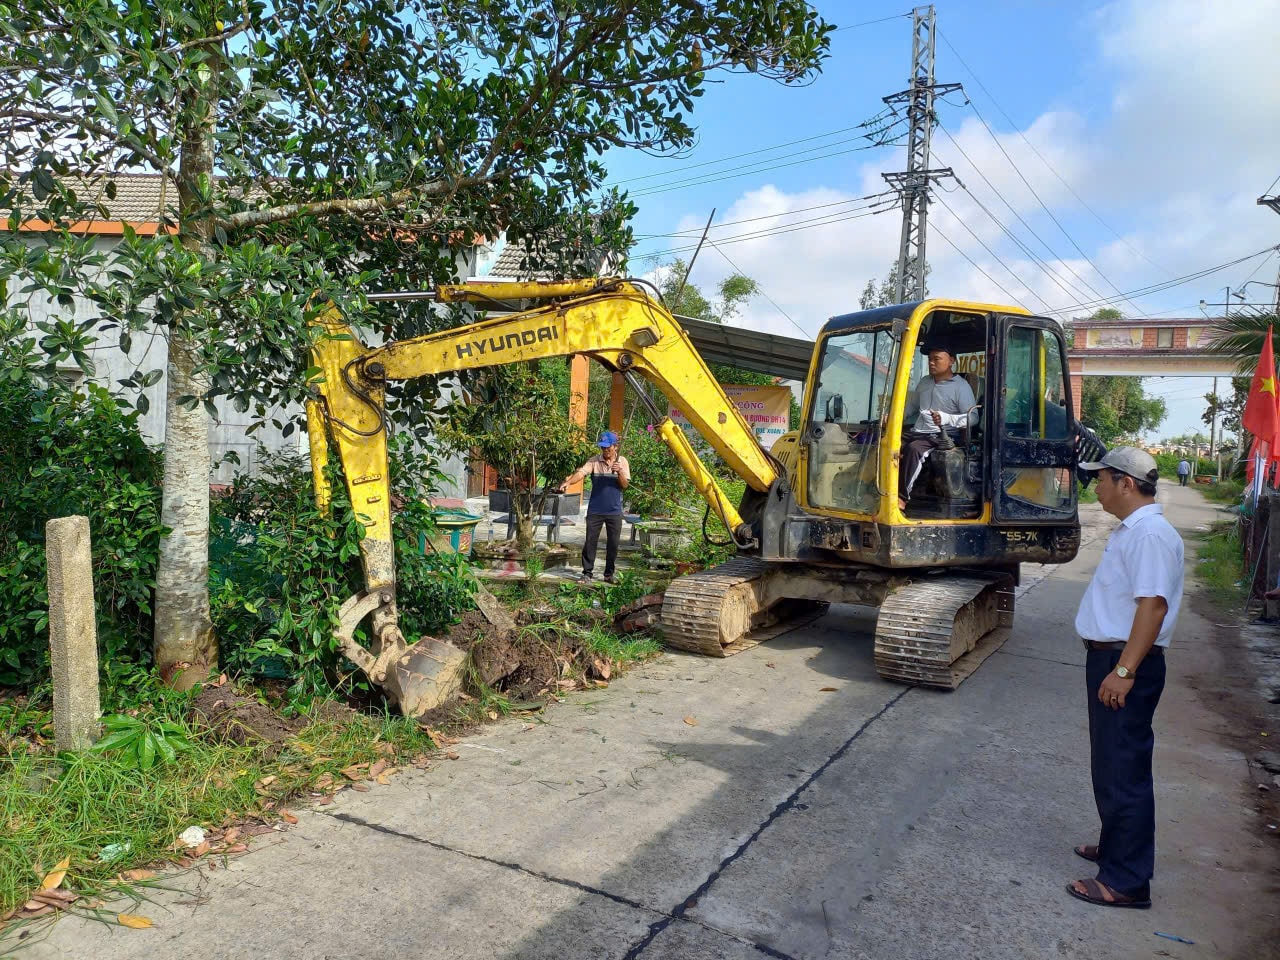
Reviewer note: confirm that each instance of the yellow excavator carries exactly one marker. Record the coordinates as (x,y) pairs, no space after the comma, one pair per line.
(821,520)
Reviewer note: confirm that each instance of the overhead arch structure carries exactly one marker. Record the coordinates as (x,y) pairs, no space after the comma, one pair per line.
(1136,347)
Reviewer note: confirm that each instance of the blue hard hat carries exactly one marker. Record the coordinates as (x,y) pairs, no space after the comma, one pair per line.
(608,439)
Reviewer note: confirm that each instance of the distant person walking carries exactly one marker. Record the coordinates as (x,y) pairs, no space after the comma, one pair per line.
(1184,471)
(610,474)
(1126,620)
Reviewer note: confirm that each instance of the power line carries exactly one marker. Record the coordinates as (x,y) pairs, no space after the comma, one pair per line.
(975,266)
(761,290)
(745,170)
(1043,206)
(1042,159)
(867,23)
(946,206)
(1168,284)
(1027,250)
(681,168)
(697,231)
(1062,260)
(761,234)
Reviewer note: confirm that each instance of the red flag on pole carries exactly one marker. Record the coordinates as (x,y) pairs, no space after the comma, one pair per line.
(1261,415)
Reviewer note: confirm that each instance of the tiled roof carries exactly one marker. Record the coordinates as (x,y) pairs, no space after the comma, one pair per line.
(518,262)
(140,197)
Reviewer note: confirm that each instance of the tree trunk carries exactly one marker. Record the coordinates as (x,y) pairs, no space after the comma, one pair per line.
(185,648)
(526,532)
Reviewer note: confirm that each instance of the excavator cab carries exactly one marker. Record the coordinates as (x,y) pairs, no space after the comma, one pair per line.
(1005,461)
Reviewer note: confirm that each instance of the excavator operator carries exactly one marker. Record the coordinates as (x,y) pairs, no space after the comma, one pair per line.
(942,403)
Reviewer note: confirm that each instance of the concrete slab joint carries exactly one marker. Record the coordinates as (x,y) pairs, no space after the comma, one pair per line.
(73,634)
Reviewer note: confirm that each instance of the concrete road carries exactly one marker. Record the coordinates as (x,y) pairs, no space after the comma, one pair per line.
(784,802)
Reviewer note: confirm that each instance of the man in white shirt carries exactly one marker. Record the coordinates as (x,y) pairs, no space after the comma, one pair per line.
(941,402)
(1126,619)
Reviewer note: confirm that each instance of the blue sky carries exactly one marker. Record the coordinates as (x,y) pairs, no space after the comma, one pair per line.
(1160,117)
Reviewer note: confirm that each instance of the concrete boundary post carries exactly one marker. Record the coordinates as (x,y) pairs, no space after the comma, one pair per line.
(73,633)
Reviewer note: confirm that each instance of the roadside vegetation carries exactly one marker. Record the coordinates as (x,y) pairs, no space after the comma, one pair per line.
(1220,564)
(289,721)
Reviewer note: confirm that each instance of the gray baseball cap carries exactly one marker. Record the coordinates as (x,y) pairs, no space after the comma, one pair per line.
(1128,460)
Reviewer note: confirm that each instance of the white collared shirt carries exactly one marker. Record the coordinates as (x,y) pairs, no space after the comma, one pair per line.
(1143,559)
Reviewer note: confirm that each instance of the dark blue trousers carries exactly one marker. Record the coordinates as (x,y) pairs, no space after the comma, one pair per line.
(1121,743)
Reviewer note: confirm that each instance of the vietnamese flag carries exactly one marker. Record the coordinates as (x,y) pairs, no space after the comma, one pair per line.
(1261,415)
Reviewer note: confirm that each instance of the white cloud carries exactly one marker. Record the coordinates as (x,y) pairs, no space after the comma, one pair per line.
(1173,154)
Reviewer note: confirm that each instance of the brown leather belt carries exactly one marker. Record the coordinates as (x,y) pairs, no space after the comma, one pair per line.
(1119,645)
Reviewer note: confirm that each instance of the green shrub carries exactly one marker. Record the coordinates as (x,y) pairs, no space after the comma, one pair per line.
(280,570)
(74,452)
(1168,464)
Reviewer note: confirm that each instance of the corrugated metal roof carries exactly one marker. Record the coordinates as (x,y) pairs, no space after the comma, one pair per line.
(768,353)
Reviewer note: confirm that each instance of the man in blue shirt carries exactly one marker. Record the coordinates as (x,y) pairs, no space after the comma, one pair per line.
(610,474)
(1184,471)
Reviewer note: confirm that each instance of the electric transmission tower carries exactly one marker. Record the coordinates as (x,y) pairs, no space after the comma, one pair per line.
(913,184)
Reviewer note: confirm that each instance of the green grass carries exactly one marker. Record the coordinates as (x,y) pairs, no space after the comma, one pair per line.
(78,805)
(1226,491)
(620,647)
(1220,565)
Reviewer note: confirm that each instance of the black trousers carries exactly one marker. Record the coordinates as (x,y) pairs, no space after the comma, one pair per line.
(1121,742)
(612,524)
(916,448)
(1182,479)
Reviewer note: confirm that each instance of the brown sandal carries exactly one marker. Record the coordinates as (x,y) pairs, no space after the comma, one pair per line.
(1101,895)
(1086,851)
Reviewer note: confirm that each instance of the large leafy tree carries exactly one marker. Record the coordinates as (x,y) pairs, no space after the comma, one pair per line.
(1115,407)
(312,149)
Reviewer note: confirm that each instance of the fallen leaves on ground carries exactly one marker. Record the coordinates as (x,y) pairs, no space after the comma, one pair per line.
(138,875)
(691,720)
(827,689)
(288,817)
(53,879)
(133,921)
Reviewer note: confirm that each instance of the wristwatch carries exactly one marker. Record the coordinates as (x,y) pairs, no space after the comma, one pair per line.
(1124,673)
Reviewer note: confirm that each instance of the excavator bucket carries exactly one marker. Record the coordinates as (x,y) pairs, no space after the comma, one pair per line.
(427,674)
(418,676)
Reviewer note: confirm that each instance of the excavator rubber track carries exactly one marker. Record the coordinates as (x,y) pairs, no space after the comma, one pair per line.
(719,611)
(935,631)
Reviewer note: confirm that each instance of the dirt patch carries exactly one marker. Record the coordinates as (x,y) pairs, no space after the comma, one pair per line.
(242,719)
(1226,679)
(517,664)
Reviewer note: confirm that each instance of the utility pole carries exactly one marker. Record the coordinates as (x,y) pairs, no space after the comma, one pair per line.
(1272,200)
(1213,423)
(913,184)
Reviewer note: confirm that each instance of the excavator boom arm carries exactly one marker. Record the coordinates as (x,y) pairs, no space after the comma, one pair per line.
(612,321)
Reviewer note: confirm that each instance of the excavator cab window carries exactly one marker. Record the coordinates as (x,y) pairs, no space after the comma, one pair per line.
(950,486)
(843,434)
